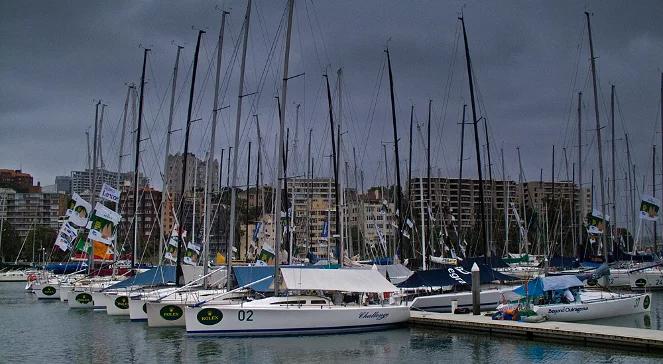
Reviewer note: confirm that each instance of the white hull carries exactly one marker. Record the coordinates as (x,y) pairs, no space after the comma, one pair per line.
(648,279)
(80,299)
(46,291)
(13,276)
(264,320)
(117,304)
(64,292)
(169,312)
(489,299)
(596,307)
(138,309)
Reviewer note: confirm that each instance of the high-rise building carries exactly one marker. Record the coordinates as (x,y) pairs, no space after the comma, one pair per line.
(63,184)
(196,173)
(17,180)
(81,180)
(26,211)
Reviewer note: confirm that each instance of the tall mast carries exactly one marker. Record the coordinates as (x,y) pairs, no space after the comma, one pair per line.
(359,234)
(409,162)
(93,185)
(477,144)
(309,176)
(279,163)
(655,243)
(613,231)
(552,199)
(598,138)
(248,181)
(522,204)
(460,177)
(339,243)
(137,159)
(506,204)
(258,176)
(492,183)
(165,193)
(212,145)
(339,164)
(581,193)
(124,129)
(399,204)
(181,246)
(428,181)
(101,128)
(238,119)
(653,185)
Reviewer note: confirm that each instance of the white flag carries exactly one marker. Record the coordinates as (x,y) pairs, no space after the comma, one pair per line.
(649,208)
(109,193)
(103,224)
(78,210)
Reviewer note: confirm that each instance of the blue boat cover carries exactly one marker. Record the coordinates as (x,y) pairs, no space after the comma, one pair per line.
(452,276)
(536,287)
(493,262)
(65,268)
(564,262)
(157,276)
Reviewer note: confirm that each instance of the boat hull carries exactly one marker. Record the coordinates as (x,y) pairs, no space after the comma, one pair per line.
(117,304)
(596,308)
(646,280)
(46,291)
(165,314)
(237,320)
(79,299)
(64,292)
(489,299)
(13,277)
(138,309)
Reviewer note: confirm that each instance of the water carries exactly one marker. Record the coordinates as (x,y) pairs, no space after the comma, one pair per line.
(48,331)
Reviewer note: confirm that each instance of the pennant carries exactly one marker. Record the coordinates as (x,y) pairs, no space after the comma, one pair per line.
(78,210)
(406,234)
(102,251)
(649,208)
(257,230)
(325,230)
(66,236)
(430,214)
(103,224)
(266,255)
(173,242)
(109,193)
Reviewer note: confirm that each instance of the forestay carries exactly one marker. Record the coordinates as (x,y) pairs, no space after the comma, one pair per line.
(345,280)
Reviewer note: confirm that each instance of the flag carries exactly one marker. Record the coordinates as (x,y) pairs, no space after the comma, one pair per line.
(406,234)
(384,208)
(173,242)
(66,236)
(266,255)
(192,254)
(649,208)
(409,223)
(430,214)
(325,230)
(78,210)
(102,251)
(109,193)
(256,231)
(596,222)
(103,224)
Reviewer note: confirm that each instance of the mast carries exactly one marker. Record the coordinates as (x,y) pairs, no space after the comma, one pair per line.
(137,159)
(120,156)
(409,162)
(279,169)
(181,246)
(477,144)
(93,185)
(399,204)
(212,145)
(522,204)
(339,164)
(101,128)
(581,194)
(655,243)
(309,176)
(238,119)
(165,193)
(613,231)
(460,177)
(339,244)
(248,179)
(358,202)
(428,181)
(506,204)
(492,184)
(258,176)
(653,184)
(598,138)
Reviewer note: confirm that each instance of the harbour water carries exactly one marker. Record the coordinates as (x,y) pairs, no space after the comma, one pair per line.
(48,331)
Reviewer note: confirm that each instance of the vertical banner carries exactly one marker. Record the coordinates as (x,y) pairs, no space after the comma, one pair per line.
(66,236)
(173,242)
(103,224)
(596,223)
(192,254)
(78,210)
(649,208)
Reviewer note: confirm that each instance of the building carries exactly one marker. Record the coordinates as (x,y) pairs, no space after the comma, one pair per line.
(25,211)
(196,173)
(18,181)
(81,180)
(149,202)
(63,184)
(535,194)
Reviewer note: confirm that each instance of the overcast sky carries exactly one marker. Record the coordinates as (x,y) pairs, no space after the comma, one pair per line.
(531,59)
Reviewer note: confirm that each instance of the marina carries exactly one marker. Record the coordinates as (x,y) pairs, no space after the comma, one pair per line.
(263,203)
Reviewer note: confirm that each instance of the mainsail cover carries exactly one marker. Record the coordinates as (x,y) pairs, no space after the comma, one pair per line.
(344,280)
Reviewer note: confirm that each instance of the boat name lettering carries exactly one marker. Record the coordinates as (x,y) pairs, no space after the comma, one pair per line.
(455,276)
(568,309)
(375,315)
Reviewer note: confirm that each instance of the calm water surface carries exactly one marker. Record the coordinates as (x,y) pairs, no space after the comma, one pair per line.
(48,331)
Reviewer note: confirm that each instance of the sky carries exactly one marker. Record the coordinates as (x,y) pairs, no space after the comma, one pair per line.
(530,59)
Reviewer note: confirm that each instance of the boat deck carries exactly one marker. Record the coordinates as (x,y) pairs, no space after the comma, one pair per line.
(615,337)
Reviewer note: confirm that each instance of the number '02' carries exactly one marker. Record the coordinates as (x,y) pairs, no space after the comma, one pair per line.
(245,315)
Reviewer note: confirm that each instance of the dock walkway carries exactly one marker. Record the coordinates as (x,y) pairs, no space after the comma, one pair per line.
(615,337)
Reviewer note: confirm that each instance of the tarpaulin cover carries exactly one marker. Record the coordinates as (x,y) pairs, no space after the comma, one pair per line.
(539,285)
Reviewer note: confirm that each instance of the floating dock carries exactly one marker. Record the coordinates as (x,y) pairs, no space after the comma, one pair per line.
(597,335)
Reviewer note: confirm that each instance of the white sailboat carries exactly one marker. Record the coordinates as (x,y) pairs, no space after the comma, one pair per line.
(302,314)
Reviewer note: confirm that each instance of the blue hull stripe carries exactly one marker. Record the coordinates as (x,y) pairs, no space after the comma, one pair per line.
(296,331)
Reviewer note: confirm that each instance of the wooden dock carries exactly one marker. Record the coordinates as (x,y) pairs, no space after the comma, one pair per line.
(598,335)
